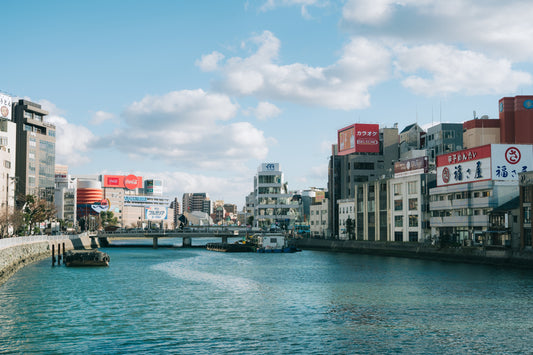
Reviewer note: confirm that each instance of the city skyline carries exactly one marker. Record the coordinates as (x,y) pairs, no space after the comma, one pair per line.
(199,94)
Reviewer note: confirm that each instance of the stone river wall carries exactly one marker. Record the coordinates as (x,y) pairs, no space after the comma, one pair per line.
(477,255)
(20,251)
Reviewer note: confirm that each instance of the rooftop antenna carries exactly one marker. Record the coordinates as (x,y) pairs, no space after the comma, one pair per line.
(475,114)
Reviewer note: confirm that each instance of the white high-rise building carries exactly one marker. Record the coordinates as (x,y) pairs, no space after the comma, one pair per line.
(274,206)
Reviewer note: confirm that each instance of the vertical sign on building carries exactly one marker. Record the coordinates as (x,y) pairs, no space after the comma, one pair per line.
(5,106)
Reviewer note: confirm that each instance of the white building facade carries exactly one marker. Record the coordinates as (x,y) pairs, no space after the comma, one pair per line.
(274,205)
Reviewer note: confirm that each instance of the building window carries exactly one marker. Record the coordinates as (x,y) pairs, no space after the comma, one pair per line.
(398,205)
(411,187)
(398,236)
(397,189)
(398,221)
(413,204)
(527,214)
(413,220)
(413,236)
(363,166)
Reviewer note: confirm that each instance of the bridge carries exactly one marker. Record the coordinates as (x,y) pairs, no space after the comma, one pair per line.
(186,235)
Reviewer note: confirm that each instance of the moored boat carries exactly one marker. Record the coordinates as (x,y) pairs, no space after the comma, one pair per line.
(274,243)
(92,257)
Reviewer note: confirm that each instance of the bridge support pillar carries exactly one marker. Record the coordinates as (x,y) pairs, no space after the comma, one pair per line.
(224,239)
(187,242)
(155,243)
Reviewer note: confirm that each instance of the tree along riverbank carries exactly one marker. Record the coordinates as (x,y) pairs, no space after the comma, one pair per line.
(475,255)
(17,252)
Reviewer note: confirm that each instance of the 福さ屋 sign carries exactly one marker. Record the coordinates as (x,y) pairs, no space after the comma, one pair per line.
(501,162)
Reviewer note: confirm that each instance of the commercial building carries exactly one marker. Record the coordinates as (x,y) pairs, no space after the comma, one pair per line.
(65,197)
(443,138)
(35,162)
(516,120)
(346,219)
(197,202)
(363,153)
(409,197)
(318,222)
(481,131)
(126,197)
(372,218)
(525,205)
(274,204)
(8,140)
(471,184)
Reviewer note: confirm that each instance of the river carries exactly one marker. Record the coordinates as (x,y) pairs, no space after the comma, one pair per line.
(194,301)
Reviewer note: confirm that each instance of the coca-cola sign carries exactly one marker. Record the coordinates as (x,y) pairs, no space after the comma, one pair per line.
(131,182)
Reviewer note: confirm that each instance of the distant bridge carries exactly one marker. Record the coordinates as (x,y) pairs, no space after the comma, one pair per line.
(186,235)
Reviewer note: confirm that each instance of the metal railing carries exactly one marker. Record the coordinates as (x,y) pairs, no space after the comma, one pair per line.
(10,242)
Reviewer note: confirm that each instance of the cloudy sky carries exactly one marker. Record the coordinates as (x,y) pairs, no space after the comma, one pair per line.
(200,93)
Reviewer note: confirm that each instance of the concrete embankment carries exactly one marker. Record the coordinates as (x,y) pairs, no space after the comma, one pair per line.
(476,255)
(15,253)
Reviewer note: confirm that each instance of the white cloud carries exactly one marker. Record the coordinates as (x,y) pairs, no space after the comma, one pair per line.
(186,108)
(190,128)
(49,106)
(264,111)
(496,28)
(100,117)
(304,4)
(209,62)
(72,141)
(230,189)
(367,11)
(343,85)
(440,69)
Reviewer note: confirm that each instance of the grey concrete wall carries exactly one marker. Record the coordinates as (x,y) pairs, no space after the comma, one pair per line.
(15,253)
(477,255)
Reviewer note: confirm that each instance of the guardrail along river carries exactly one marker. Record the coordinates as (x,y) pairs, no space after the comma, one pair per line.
(195,301)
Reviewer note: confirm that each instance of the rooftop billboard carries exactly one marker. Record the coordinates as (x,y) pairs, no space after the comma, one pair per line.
(358,138)
(501,162)
(130,182)
(5,106)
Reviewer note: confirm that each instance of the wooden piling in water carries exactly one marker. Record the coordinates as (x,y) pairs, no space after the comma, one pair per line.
(58,254)
(53,255)
(63,253)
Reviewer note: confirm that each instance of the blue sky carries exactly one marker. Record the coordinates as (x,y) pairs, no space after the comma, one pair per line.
(200,93)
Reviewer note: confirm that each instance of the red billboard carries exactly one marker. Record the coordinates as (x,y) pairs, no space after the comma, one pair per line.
(358,138)
(130,182)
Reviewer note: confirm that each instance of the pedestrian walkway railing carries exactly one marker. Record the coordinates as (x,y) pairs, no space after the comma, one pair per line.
(10,242)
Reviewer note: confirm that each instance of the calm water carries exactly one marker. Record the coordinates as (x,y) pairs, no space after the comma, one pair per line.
(194,301)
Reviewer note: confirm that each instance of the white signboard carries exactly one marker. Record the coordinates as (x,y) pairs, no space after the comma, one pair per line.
(499,162)
(155,213)
(508,160)
(5,106)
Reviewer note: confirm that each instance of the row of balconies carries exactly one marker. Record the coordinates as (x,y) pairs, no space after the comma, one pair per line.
(458,221)
(481,202)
